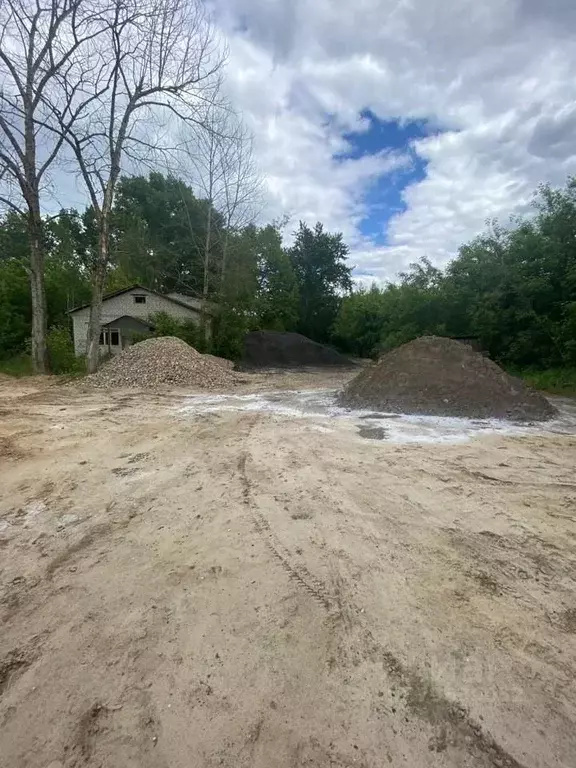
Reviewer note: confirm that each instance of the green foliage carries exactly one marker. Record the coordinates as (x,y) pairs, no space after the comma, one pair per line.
(277,298)
(19,365)
(373,321)
(15,307)
(259,289)
(558,381)
(319,262)
(237,300)
(61,352)
(159,234)
(65,277)
(159,238)
(231,327)
(61,355)
(166,325)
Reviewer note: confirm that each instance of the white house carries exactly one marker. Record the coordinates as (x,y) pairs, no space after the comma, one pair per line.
(127,312)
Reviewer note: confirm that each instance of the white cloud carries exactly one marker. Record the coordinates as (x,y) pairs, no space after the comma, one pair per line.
(497,75)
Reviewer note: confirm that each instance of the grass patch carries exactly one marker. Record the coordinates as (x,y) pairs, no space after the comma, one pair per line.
(20,365)
(557,381)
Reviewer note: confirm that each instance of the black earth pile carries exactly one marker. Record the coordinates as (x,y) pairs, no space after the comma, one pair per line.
(443,377)
(273,349)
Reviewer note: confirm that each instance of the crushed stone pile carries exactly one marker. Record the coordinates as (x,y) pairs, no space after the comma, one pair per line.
(440,376)
(275,349)
(164,361)
(223,361)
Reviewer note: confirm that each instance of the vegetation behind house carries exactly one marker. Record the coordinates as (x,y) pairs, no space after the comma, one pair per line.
(512,288)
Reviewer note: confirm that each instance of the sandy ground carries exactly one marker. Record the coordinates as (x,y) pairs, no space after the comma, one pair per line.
(249,589)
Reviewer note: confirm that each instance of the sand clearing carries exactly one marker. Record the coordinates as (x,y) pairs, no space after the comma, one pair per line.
(187,584)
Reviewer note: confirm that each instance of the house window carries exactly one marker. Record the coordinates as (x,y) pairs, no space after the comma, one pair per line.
(110,337)
(140,299)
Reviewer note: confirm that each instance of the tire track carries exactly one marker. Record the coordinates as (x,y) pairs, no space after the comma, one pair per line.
(18,660)
(297,573)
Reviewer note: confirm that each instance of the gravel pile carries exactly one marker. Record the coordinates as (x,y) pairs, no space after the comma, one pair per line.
(274,349)
(165,361)
(229,364)
(441,376)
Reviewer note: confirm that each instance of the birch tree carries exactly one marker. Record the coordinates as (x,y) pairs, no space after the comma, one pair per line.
(241,187)
(222,169)
(38,41)
(162,65)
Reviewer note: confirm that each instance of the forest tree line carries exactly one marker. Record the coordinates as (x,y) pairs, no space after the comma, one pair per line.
(158,232)
(513,288)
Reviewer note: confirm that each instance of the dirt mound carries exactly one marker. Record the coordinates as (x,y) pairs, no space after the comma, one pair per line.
(440,376)
(273,349)
(165,361)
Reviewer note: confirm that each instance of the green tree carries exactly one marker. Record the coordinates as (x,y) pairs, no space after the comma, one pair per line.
(159,234)
(319,262)
(277,292)
(237,313)
(360,322)
(65,277)
(370,322)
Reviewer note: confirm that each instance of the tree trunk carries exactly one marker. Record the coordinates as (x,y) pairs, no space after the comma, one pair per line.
(205,285)
(224,260)
(98,281)
(38,293)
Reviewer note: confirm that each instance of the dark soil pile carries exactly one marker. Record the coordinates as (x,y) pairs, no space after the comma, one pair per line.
(440,376)
(273,349)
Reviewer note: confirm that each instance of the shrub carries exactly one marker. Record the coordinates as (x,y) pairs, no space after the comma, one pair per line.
(166,325)
(557,381)
(20,365)
(61,352)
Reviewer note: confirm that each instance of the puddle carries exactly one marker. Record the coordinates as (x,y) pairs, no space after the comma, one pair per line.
(380,416)
(373,433)
(319,409)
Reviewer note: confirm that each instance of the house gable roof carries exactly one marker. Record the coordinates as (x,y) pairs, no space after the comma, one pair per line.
(137,286)
(128,317)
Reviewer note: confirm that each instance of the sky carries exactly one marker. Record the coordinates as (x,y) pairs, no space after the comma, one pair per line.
(403,124)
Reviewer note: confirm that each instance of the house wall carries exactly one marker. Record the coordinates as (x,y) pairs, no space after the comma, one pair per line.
(119,306)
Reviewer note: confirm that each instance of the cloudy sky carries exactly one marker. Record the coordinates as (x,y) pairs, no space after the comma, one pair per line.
(405,124)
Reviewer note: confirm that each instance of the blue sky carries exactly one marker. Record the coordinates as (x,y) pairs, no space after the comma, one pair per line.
(383,198)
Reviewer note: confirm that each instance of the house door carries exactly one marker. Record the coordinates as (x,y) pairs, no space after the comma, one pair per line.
(110,340)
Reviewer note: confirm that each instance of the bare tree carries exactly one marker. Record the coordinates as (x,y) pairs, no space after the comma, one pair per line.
(242,188)
(203,154)
(162,63)
(222,170)
(38,40)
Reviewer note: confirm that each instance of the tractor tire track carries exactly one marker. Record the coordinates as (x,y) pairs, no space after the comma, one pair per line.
(297,573)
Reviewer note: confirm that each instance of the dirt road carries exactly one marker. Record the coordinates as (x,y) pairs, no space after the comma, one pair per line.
(239,588)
